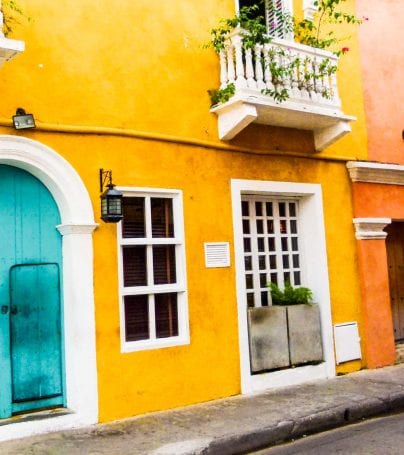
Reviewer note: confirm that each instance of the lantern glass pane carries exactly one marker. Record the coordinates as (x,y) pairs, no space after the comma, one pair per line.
(114,205)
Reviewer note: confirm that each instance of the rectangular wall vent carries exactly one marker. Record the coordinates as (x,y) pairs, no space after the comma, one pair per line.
(347,342)
(217,254)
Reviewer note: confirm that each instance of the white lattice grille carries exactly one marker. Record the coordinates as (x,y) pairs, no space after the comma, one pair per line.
(271,246)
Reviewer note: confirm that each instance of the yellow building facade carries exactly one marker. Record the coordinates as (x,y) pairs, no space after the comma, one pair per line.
(154,320)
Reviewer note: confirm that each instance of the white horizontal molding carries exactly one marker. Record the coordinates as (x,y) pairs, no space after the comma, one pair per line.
(10,48)
(363,171)
(327,123)
(68,229)
(371,228)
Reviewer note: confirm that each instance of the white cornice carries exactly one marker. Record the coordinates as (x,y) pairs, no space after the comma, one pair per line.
(371,228)
(389,174)
(66,229)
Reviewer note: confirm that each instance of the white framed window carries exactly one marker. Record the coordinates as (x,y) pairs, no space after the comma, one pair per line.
(152,276)
(275,13)
(271,245)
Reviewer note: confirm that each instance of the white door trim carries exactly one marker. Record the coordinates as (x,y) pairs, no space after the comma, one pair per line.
(314,257)
(77,226)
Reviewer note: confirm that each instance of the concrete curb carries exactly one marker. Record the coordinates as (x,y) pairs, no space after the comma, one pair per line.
(286,431)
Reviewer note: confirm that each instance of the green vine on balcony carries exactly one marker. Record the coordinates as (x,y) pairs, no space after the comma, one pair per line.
(12,15)
(253,31)
(219,96)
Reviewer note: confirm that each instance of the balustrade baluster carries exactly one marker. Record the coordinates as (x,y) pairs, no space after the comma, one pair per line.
(249,69)
(326,90)
(303,83)
(258,61)
(334,89)
(287,76)
(317,89)
(240,74)
(231,73)
(311,80)
(294,58)
(223,69)
(267,72)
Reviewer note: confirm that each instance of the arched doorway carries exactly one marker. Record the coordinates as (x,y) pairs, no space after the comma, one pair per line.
(30,318)
(62,185)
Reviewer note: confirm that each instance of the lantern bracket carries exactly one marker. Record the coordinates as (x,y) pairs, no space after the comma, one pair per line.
(104,176)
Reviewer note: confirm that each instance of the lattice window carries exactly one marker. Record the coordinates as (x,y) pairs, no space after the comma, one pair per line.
(271,246)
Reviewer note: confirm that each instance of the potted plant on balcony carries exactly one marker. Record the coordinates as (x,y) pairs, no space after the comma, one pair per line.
(286,334)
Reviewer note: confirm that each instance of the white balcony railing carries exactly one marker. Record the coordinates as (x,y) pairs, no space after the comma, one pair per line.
(307,79)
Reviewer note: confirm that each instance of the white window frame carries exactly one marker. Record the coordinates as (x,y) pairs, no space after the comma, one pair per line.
(287,6)
(315,268)
(180,287)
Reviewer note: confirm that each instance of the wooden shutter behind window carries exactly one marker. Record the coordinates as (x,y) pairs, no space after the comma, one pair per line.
(136,317)
(134,265)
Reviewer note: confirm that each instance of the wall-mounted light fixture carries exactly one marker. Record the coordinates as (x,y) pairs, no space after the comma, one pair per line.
(111,199)
(22,120)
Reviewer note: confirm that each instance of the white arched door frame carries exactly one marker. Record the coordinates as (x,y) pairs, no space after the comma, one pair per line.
(77,225)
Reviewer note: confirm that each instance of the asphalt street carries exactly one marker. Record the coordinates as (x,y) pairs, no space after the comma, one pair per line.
(381,436)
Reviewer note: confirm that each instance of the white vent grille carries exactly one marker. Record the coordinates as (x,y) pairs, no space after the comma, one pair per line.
(347,342)
(217,254)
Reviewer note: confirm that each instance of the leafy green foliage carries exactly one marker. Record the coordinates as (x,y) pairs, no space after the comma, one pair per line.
(12,14)
(290,295)
(221,95)
(310,31)
(253,27)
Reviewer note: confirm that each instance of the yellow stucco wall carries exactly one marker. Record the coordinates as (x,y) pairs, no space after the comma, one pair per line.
(135,65)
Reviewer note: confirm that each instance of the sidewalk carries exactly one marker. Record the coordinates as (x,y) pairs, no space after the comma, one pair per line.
(234,425)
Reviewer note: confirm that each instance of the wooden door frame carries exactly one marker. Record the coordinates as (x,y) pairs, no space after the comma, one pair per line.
(76,228)
(393,224)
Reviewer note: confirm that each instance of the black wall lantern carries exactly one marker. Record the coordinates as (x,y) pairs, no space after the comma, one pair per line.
(22,120)
(111,199)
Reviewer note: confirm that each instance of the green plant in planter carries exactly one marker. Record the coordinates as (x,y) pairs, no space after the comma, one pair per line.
(290,295)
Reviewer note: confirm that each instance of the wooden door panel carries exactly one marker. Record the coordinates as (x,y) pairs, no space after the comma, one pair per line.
(35,332)
(395,257)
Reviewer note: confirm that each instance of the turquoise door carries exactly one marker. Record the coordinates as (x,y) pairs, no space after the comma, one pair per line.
(31,332)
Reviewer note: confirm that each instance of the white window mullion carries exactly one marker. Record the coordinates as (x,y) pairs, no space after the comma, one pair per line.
(148,222)
(254,252)
(152,317)
(278,244)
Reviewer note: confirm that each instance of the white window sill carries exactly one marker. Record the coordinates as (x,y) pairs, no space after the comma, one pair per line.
(147,345)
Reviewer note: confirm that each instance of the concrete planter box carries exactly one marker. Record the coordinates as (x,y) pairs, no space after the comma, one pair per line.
(284,336)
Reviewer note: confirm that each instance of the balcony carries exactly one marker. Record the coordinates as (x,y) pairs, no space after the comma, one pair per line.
(309,80)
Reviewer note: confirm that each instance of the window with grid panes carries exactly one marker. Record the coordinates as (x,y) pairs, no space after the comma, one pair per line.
(152,271)
(273,11)
(271,246)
